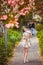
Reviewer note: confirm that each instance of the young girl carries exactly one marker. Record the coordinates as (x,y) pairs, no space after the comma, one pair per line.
(26,42)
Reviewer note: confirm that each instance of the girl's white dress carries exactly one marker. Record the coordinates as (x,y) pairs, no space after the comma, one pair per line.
(26,43)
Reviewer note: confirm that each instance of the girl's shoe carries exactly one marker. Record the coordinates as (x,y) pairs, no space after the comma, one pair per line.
(27,60)
(24,62)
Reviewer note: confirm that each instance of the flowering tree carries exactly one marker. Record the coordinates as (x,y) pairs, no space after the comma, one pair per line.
(11,10)
(38,10)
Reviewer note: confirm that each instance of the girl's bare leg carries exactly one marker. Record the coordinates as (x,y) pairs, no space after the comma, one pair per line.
(25,54)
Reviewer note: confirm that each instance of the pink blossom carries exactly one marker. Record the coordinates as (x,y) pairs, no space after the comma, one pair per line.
(9,25)
(21,3)
(31,1)
(30,5)
(3,17)
(24,9)
(16,20)
(26,12)
(16,23)
(17,26)
(16,17)
(21,13)
(17,1)
(12,3)
(9,1)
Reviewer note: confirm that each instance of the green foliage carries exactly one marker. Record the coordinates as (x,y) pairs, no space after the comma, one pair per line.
(40,36)
(6,51)
(14,36)
(39,27)
(3,57)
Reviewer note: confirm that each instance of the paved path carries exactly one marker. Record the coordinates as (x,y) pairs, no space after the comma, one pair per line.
(33,55)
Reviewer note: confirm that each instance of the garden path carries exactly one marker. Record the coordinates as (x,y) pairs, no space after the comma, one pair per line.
(33,55)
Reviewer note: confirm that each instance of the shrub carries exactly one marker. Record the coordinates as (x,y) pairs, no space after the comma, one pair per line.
(3,57)
(14,36)
(40,36)
(39,27)
(6,51)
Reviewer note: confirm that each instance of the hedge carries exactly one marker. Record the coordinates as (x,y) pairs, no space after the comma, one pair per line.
(5,52)
(40,36)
